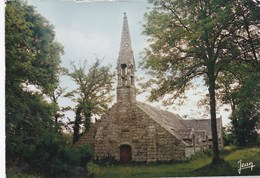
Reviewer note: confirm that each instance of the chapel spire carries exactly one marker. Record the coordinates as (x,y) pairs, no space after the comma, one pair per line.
(125,36)
(125,67)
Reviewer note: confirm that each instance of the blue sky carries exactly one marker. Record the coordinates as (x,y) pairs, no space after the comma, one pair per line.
(90,30)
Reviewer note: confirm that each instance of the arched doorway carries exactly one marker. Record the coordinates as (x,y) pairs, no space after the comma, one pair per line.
(125,154)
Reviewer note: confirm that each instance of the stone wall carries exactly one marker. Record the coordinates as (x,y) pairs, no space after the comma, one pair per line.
(169,147)
(121,126)
(129,125)
(126,94)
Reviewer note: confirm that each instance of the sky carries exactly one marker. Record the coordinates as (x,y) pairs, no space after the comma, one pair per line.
(92,29)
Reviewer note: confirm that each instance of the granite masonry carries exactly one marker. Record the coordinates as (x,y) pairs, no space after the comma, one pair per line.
(136,131)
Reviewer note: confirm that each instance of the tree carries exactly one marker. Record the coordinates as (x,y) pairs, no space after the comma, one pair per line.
(244,121)
(228,137)
(92,94)
(239,87)
(244,98)
(189,40)
(32,75)
(58,112)
(32,71)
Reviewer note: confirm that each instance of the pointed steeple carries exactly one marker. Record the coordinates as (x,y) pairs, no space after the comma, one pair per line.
(125,37)
(126,52)
(125,67)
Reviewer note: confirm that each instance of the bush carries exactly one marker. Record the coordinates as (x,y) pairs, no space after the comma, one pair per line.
(228,149)
(228,138)
(50,156)
(92,169)
(85,154)
(258,141)
(202,154)
(106,160)
(52,149)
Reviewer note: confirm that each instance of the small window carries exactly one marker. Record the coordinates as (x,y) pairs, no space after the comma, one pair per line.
(123,70)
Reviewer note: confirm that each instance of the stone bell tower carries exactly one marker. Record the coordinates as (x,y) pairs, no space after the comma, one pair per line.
(126,67)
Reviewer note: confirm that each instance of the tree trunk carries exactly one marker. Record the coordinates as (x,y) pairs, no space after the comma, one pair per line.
(216,159)
(56,117)
(76,127)
(87,119)
(88,107)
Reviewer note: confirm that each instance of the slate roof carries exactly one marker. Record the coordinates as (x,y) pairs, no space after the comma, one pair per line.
(161,116)
(169,121)
(202,124)
(177,126)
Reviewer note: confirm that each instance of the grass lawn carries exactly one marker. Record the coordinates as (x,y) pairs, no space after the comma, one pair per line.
(197,166)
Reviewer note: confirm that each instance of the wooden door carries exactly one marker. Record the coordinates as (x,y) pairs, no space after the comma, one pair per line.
(125,154)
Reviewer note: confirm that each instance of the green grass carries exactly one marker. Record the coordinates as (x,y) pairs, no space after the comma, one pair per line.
(199,165)
(10,174)
(156,170)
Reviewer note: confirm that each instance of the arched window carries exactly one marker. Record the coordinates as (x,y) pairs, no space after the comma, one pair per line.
(123,70)
(124,73)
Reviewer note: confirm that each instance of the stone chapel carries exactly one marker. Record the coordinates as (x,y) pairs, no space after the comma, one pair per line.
(135,131)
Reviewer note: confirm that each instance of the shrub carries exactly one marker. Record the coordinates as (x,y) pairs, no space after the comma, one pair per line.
(85,154)
(106,160)
(202,154)
(51,156)
(92,169)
